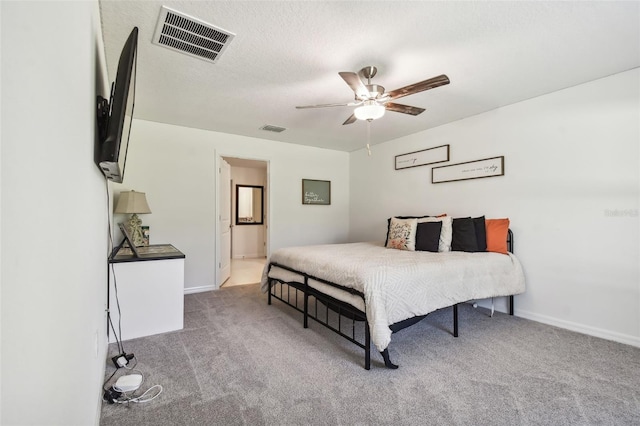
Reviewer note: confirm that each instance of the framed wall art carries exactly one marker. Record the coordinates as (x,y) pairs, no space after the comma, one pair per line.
(477,169)
(316,191)
(434,155)
(128,239)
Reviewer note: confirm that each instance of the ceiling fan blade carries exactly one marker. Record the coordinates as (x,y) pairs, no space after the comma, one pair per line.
(351,119)
(431,83)
(329,105)
(358,87)
(405,109)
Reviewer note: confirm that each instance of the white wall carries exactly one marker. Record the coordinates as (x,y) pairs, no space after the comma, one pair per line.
(54,216)
(247,240)
(176,167)
(571,163)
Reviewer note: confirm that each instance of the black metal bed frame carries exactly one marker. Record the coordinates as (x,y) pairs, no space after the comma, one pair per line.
(344,309)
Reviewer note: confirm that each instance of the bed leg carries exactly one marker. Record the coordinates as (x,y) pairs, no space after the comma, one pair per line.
(306,310)
(387,361)
(455,320)
(511,305)
(269,292)
(367,346)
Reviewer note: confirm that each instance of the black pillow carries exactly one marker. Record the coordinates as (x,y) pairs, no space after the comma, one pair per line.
(481,233)
(464,235)
(398,217)
(428,236)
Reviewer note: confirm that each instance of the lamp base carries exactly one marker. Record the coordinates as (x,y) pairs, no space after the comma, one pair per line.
(135,230)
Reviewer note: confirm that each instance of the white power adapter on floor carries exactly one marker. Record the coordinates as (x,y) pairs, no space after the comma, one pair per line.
(128,383)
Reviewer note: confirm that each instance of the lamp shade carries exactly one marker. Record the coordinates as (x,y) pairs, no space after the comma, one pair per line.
(132,202)
(369,111)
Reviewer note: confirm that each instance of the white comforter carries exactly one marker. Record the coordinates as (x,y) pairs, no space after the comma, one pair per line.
(399,284)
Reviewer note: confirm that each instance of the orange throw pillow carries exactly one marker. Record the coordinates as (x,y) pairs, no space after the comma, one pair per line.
(497,235)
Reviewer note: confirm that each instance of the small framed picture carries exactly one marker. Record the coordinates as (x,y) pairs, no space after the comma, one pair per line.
(145,236)
(127,237)
(316,191)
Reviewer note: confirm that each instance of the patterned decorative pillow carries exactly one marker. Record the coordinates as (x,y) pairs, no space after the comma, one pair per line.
(400,217)
(402,234)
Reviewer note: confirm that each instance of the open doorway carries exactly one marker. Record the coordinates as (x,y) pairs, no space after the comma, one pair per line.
(248,224)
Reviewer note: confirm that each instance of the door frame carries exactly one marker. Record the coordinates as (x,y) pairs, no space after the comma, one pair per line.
(267,210)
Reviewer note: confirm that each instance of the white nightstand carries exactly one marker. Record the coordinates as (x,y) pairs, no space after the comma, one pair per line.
(150,290)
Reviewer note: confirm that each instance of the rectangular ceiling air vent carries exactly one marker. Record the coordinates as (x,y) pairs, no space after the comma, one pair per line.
(270,128)
(191,36)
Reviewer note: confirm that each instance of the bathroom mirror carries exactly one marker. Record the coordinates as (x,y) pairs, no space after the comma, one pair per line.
(249,204)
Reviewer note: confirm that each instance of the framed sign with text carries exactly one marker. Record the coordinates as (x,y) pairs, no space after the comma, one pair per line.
(487,167)
(316,191)
(437,154)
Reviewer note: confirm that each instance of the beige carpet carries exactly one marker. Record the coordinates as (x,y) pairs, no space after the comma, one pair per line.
(239,361)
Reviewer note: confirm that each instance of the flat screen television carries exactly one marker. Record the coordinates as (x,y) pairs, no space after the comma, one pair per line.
(116,114)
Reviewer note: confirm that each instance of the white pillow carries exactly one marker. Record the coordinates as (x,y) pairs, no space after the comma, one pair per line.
(402,234)
(446,233)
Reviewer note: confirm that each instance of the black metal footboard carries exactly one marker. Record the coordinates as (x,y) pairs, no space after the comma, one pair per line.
(300,293)
(347,321)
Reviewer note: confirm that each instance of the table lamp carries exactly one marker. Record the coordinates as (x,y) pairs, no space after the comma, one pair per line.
(135,203)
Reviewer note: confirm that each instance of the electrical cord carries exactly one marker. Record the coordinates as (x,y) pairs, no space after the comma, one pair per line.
(120,348)
(107,381)
(109,394)
(117,335)
(134,365)
(140,399)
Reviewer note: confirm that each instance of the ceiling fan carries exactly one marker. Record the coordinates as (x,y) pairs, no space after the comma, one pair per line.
(372,100)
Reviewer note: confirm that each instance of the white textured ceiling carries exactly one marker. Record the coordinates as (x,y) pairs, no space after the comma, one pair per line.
(289,53)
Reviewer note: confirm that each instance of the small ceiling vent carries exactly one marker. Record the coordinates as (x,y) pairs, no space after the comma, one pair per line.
(189,35)
(270,128)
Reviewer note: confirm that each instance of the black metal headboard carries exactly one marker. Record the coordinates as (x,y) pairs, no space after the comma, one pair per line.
(509,241)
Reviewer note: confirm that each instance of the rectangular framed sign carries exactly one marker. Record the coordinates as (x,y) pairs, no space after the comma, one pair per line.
(434,155)
(487,167)
(316,191)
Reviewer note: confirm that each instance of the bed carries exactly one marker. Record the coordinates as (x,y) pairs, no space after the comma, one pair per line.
(384,289)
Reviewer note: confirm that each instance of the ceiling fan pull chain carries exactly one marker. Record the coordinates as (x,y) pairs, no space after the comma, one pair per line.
(369,137)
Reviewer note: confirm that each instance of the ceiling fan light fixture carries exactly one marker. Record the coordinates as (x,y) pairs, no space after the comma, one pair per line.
(374,100)
(369,111)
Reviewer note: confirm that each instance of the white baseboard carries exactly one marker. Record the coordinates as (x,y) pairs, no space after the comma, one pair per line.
(191,290)
(501,306)
(580,328)
(248,256)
